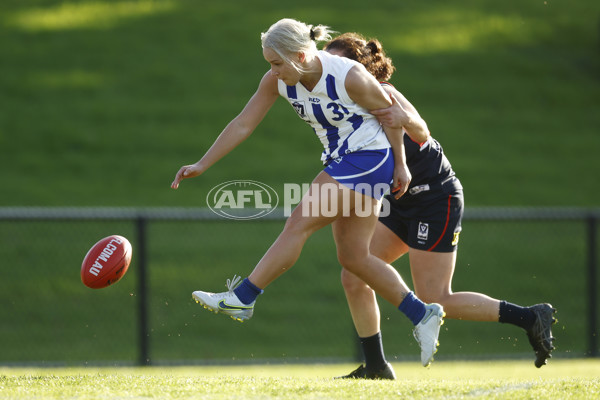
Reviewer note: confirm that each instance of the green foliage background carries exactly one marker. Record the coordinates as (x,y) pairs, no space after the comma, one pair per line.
(102,101)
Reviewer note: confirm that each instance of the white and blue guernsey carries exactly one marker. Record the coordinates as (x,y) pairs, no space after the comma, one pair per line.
(341,125)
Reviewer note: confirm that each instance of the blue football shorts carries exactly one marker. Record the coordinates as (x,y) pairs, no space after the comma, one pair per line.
(369,172)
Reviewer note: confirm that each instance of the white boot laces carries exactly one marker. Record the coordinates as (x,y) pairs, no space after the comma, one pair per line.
(233,283)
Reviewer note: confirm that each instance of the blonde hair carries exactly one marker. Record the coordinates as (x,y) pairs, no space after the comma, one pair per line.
(288,36)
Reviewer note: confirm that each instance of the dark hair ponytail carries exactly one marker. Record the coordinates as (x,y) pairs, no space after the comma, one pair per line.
(370,54)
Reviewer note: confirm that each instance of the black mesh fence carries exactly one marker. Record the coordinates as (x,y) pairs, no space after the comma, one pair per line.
(48,316)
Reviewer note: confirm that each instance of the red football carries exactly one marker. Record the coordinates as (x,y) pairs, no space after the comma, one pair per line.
(106,262)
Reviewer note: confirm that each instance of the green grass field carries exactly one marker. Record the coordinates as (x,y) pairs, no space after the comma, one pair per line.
(572,379)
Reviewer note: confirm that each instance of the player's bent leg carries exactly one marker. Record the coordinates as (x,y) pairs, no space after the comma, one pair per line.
(362,301)
(364,309)
(353,257)
(386,245)
(432,276)
(352,236)
(280,257)
(238,302)
(308,217)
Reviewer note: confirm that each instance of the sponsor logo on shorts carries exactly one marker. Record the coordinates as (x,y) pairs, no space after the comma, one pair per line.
(423,232)
(455,238)
(418,189)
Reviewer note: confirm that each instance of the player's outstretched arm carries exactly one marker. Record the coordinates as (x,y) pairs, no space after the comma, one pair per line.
(238,130)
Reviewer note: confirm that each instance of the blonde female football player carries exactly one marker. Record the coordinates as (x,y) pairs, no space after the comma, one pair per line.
(333,95)
(425,223)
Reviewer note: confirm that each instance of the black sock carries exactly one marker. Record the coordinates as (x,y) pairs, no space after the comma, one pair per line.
(372,348)
(516,315)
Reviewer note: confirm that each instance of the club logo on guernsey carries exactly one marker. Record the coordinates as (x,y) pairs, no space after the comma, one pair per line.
(300,108)
(242,199)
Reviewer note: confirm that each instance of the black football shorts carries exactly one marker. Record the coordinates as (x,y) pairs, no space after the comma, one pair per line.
(433,224)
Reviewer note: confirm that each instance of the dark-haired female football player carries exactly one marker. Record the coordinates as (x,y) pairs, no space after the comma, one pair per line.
(425,223)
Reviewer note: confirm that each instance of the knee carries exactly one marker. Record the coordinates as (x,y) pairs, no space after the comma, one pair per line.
(353,284)
(298,228)
(352,261)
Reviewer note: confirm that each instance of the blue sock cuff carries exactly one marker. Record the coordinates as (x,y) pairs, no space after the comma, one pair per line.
(413,308)
(253,286)
(247,292)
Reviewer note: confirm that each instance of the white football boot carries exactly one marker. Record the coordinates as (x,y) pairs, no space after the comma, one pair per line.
(226,302)
(427,331)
